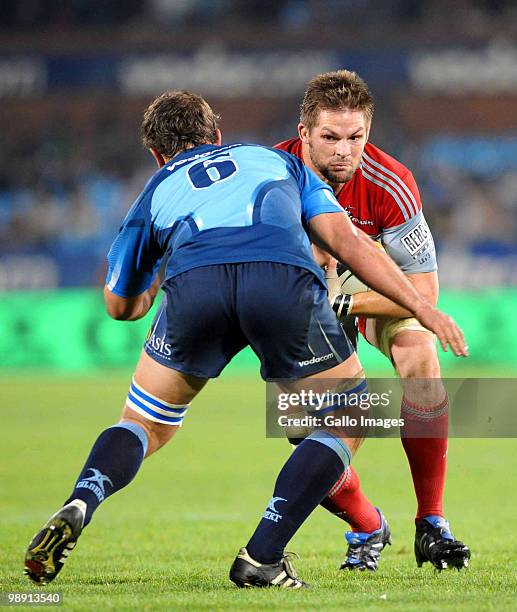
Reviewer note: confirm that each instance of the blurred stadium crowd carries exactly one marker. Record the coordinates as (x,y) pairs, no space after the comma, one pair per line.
(285,13)
(70,160)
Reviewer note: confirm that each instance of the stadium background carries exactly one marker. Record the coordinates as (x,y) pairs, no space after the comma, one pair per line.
(75,77)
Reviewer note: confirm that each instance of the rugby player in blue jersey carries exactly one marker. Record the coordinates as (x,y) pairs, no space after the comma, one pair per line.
(234,224)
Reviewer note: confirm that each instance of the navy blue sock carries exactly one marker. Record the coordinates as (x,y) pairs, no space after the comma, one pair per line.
(303,482)
(113,462)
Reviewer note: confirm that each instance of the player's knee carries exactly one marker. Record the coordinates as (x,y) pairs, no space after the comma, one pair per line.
(157,434)
(416,360)
(158,419)
(415,356)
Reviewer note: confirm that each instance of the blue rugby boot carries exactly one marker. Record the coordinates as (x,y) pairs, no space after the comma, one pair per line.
(435,543)
(364,549)
(50,547)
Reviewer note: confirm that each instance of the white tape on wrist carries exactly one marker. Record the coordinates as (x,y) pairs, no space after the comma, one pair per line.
(342,305)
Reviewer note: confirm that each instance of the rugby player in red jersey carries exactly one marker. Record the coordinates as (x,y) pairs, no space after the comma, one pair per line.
(381,197)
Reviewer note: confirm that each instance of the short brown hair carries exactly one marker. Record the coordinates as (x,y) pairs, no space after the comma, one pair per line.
(337,90)
(178,120)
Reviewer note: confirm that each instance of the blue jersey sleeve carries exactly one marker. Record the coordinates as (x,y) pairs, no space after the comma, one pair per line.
(134,256)
(316,196)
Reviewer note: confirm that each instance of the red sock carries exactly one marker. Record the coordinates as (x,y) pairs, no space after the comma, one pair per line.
(349,503)
(427,456)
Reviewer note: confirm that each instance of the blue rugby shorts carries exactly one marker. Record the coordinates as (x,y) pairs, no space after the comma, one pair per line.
(209,314)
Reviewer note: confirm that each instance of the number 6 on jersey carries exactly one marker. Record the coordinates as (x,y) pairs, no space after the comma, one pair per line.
(211,171)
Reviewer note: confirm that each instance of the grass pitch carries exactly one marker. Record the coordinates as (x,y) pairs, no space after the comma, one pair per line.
(166,542)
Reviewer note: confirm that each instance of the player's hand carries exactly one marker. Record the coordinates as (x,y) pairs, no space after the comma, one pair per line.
(333,282)
(448,333)
(341,304)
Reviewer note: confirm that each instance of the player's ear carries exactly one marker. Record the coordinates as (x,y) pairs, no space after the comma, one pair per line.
(158,158)
(303,132)
(218,137)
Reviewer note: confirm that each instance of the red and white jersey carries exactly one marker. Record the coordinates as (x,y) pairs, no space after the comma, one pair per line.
(382,199)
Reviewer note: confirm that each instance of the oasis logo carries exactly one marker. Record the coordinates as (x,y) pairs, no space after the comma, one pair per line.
(315,359)
(158,343)
(417,239)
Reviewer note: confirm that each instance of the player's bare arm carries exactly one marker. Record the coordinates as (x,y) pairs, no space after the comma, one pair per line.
(336,234)
(130,308)
(323,259)
(373,304)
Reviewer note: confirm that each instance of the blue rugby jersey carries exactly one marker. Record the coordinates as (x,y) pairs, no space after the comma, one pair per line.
(219,204)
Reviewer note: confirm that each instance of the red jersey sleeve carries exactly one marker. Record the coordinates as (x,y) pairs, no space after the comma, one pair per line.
(293,146)
(403,204)
(400,199)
